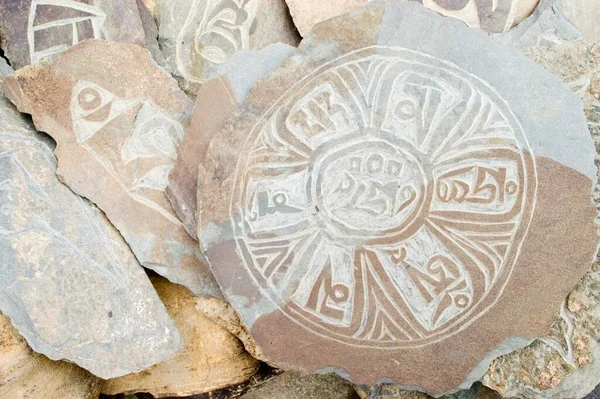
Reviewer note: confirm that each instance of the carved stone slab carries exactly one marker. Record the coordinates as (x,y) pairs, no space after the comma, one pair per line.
(217,99)
(490,16)
(197,36)
(33,29)
(26,374)
(385,197)
(212,357)
(119,121)
(68,281)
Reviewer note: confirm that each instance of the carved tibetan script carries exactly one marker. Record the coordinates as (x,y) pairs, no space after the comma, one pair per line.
(382,202)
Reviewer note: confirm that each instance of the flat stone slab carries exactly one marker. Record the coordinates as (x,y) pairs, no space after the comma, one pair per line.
(385,197)
(33,29)
(493,17)
(119,121)
(217,99)
(68,281)
(198,36)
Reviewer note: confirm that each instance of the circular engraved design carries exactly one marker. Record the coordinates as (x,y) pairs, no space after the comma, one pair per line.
(383,200)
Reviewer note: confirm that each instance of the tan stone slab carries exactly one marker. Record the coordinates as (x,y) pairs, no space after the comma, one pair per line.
(394,195)
(119,121)
(566,362)
(493,17)
(25,374)
(217,99)
(212,357)
(33,29)
(197,36)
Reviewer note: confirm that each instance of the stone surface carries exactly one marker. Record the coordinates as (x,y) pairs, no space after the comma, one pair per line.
(295,386)
(566,362)
(494,17)
(68,281)
(33,29)
(197,36)
(217,99)
(118,121)
(386,198)
(25,374)
(584,14)
(212,357)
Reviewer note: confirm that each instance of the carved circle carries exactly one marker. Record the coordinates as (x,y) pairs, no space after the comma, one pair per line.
(382,201)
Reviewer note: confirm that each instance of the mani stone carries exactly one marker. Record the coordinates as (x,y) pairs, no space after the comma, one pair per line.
(212,357)
(33,29)
(490,16)
(68,281)
(387,198)
(29,375)
(565,363)
(217,99)
(197,36)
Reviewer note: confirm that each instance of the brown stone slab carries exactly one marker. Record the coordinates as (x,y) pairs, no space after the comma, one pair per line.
(400,195)
(494,17)
(33,29)
(212,357)
(118,120)
(198,36)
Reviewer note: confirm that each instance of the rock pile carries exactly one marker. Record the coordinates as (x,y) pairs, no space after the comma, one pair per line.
(299,199)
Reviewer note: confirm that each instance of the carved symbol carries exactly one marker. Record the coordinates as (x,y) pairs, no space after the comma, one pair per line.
(86,24)
(415,175)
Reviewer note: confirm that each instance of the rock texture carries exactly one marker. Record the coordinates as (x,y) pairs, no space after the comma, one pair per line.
(25,374)
(566,362)
(119,121)
(584,14)
(217,99)
(197,36)
(493,17)
(68,281)
(296,386)
(33,29)
(212,357)
(383,196)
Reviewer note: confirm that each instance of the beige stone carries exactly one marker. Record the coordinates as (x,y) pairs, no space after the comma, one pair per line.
(344,203)
(197,36)
(212,357)
(25,374)
(496,17)
(566,362)
(119,121)
(296,386)
(584,14)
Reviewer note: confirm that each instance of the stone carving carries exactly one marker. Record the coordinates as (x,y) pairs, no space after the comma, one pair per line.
(212,358)
(124,121)
(34,29)
(197,36)
(387,198)
(494,16)
(217,99)
(55,246)
(26,374)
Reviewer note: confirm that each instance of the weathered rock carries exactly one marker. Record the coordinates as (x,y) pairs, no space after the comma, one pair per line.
(25,374)
(118,121)
(33,29)
(296,386)
(212,357)
(391,391)
(584,14)
(565,363)
(68,281)
(385,197)
(217,99)
(197,36)
(494,17)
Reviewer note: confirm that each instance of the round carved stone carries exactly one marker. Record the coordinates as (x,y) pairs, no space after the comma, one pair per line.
(385,205)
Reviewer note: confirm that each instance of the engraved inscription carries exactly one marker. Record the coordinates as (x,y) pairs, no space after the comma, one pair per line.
(213,31)
(76,21)
(383,201)
(144,141)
